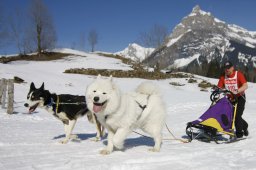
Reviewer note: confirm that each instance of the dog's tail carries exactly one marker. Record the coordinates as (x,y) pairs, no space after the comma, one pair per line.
(148,88)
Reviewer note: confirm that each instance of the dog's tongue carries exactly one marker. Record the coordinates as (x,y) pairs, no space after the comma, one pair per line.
(96,108)
(31,110)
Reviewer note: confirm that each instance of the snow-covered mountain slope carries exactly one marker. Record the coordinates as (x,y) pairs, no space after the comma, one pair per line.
(201,38)
(135,52)
(30,141)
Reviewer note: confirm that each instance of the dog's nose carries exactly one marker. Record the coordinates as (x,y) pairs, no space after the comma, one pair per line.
(96,99)
(26,105)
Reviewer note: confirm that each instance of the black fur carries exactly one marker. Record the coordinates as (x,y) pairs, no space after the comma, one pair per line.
(73,106)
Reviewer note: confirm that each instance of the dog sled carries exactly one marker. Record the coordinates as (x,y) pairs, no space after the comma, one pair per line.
(217,123)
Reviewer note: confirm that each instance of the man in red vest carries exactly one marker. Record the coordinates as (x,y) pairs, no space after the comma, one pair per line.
(235,82)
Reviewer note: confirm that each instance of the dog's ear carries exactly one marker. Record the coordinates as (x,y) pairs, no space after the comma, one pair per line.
(32,86)
(98,77)
(42,86)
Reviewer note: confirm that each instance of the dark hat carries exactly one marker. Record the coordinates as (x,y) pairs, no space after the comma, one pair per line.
(228,64)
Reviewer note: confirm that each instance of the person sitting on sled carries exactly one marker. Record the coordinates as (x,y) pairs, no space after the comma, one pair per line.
(235,82)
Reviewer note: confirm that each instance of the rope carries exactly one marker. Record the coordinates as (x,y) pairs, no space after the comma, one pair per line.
(174,138)
(77,103)
(141,134)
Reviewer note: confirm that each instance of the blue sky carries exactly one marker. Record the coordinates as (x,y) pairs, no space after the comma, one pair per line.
(119,22)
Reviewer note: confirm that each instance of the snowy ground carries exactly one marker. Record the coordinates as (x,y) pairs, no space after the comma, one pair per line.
(30,141)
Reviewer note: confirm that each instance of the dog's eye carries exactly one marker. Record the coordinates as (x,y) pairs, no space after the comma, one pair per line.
(104,93)
(28,97)
(32,97)
(94,91)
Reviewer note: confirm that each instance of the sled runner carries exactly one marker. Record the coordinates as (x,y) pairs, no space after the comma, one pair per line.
(217,123)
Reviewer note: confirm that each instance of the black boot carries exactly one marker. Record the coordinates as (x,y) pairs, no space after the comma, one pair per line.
(239,134)
(246,132)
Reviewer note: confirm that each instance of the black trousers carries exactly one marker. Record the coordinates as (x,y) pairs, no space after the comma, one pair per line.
(240,123)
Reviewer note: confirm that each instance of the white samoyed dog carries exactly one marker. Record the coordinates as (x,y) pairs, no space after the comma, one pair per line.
(120,113)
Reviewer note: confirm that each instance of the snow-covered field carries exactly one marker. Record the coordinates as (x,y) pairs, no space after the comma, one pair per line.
(30,141)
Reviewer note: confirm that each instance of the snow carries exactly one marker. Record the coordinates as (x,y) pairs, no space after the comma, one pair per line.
(250,40)
(196,10)
(237,28)
(30,141)
(135,52)
(219,21)
(70,51)
(185,61)
(249,45)
(247,36)
(174,40)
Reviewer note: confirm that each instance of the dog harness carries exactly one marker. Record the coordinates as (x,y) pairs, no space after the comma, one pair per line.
(54,105)
(55,108)
(142,107)
(57,105)
(51,104)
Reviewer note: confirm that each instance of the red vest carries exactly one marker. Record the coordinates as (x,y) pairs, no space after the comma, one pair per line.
(231,83)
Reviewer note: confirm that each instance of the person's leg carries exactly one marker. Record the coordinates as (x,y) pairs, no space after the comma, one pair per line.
(240,124)
(245,124)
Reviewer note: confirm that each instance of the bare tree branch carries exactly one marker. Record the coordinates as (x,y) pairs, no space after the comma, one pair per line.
(154,37)
(43,31)
(16,27)
(93,39)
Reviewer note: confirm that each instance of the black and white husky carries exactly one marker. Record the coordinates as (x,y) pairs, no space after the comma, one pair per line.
(65,107)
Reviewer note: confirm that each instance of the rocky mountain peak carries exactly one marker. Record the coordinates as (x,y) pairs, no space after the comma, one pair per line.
(201,41)
(197,20)
(196,9)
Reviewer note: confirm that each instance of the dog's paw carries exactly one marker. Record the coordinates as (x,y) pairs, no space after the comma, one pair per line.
(119,144)
(77,140)
(154,150)
(104,133)
(73,137)
(105,152)
(95,139)
(64,141)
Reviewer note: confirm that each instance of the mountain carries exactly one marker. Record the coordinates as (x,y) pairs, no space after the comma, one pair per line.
(201,42)
(135,52)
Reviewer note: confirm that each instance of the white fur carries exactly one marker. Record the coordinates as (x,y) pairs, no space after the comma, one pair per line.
(68,130)
(124,113)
